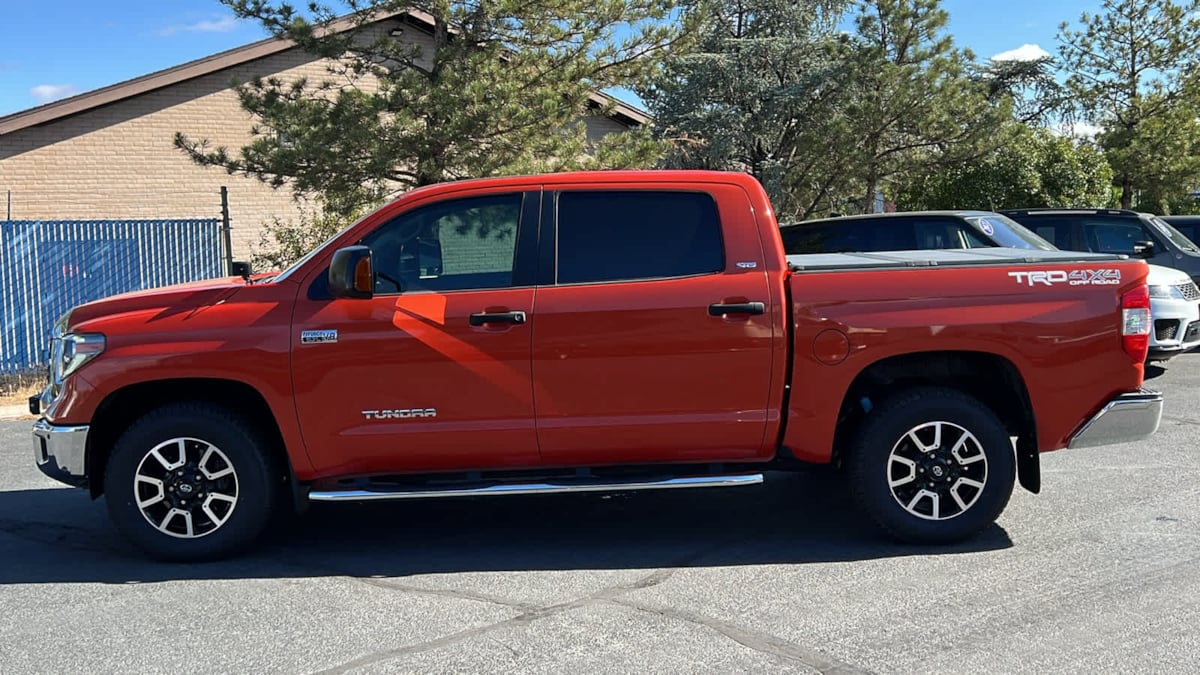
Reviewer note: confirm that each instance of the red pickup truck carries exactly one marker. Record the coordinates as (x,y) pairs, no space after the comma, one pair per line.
(588,332)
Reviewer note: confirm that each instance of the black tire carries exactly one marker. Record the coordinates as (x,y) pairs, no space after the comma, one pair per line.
(873,468)
(255,483)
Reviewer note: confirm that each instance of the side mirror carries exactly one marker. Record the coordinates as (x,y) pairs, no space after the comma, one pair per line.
(240,269)
(351,274)
(1143,249)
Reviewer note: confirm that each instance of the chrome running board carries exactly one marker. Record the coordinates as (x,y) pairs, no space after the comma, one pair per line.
(537,488)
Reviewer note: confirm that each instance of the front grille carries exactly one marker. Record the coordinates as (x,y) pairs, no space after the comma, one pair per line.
(1165,329)
(1189,290)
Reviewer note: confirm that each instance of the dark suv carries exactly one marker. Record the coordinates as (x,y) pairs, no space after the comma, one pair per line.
(910,231)
(1114,231)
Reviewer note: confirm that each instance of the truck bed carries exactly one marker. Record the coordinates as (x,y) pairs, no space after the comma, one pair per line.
(859,262)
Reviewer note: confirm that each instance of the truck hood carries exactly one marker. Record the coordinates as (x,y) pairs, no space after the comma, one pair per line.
(1166,276)
(193,295)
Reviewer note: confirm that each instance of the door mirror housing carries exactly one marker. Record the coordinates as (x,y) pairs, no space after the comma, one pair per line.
(240,269)
(1143,249)
(351,274)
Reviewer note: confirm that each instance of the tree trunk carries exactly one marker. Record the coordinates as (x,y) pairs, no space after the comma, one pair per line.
(872,184)
(1126,192)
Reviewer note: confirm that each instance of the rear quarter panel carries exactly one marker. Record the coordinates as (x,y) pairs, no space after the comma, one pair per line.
(1064,340)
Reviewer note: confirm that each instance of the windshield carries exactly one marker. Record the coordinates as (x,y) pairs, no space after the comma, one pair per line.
(1004,231)
(1177,237)
(313,253)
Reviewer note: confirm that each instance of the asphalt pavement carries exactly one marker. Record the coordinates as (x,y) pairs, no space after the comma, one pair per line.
(1101,572)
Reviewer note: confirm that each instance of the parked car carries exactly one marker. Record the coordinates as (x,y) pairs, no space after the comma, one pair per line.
(1174,297)
(908,231)
(589,332)
(1135,234)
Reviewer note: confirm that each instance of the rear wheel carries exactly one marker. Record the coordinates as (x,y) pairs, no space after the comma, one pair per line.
(191,482)
(932,465)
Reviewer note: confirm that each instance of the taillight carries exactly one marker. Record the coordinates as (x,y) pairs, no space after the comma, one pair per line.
(1135,323)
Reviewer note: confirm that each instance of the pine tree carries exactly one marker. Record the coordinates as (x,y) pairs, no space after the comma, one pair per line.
(499,88)
(1135,72)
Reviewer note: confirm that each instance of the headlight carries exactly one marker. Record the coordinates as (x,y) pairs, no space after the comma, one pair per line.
(75,351)
(1163,291)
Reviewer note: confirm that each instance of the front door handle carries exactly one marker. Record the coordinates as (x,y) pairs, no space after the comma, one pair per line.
(722,309)
(483,318)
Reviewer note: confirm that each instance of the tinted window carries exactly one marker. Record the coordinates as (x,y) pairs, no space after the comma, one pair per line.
(454,245)
(1189,230)
(1100,234)
(938,233)
(609,235)
(1113,236)
(849,236)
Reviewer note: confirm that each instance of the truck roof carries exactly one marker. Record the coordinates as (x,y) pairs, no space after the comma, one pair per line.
(999,255)
(566,178)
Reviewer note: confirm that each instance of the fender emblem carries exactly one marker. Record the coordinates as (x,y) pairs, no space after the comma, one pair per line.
(402,414)
(317,337)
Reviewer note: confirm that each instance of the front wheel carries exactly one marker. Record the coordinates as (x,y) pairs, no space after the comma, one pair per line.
(191,482)
(932,465)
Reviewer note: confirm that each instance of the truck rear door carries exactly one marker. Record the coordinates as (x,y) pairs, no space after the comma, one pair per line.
(655,326)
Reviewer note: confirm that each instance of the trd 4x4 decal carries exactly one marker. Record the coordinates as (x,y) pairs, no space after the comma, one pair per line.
(1105,277)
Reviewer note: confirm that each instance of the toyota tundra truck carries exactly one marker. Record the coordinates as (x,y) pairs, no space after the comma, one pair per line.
(581,332)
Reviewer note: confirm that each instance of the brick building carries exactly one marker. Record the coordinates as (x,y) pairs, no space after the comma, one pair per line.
(109,153)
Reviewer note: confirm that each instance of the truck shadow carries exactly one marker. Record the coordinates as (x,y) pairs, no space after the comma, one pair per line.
(59,535)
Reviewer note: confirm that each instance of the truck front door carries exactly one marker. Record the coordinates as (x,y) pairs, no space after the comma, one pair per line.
(433,372)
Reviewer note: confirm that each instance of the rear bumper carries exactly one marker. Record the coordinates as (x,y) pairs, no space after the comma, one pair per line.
(61,452)
(1126,418)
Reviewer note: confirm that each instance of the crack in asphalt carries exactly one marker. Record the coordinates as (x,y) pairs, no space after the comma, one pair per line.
(444,593)
(526,617)
(779,649)
(772,646)
(1181,420)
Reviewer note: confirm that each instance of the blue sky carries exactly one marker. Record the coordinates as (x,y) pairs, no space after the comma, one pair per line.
(50,49)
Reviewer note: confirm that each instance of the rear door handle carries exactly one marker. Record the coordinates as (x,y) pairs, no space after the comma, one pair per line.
(483,318)
(722,309)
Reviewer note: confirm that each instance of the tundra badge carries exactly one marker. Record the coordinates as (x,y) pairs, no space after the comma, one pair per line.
(317,337)
(402,414)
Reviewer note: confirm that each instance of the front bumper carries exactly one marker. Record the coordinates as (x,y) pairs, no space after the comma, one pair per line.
(61,452)
(1126,418)
(1176,327)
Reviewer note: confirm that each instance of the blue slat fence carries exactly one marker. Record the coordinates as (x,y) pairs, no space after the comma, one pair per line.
(49,266)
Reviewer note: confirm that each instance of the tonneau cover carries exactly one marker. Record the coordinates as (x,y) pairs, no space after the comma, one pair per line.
(998,255)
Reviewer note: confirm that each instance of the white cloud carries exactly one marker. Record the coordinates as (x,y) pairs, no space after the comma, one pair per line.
(45,93)
(1076,129)
(1025,52)
(222,24)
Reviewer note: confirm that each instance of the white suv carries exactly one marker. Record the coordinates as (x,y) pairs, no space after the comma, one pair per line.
(1175,310)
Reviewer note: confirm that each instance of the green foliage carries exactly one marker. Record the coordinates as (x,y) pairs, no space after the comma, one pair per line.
(1031,88)
(758,94)
(1031,168)
(914,104)
(498,87)
(1135,71)
(823,119)
(283,243)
